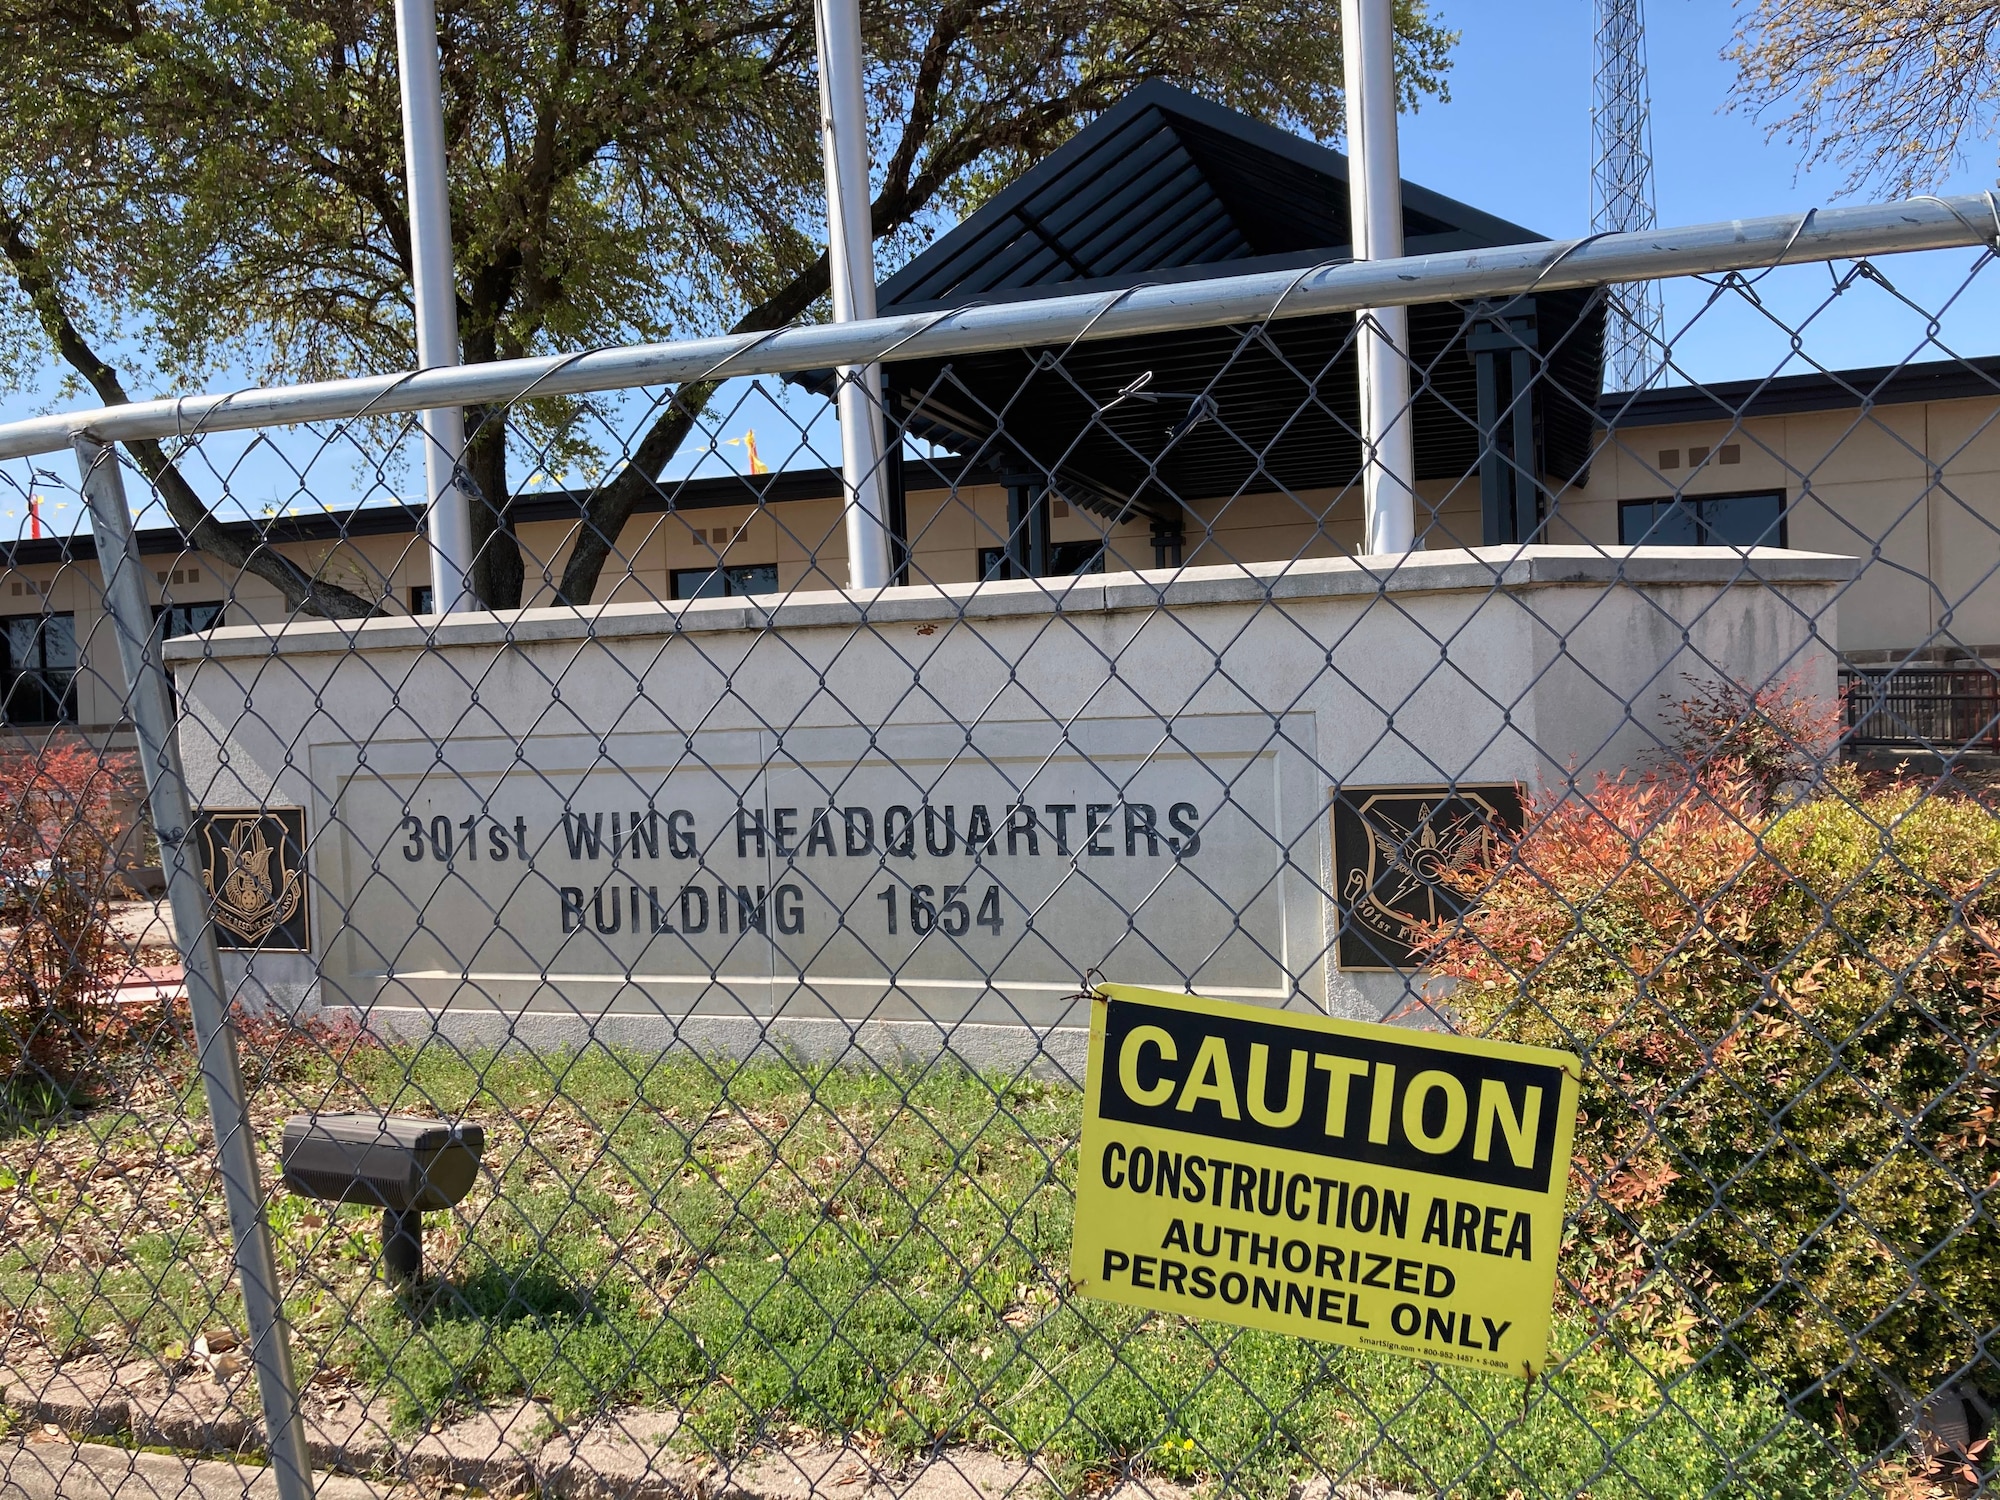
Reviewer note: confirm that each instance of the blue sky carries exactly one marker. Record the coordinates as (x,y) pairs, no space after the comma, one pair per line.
(1515,140)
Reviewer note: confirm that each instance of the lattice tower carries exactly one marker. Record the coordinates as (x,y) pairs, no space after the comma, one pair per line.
(1621,185)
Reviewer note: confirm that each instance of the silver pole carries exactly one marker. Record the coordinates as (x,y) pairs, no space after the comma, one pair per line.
(850,243)
(1865,232)
(131,615)
(1382,338)
(436,289)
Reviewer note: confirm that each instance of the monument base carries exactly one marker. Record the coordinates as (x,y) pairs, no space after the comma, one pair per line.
(1056,1053)
(913,823)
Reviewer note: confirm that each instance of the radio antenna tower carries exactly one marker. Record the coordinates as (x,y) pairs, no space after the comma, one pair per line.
(1621,187)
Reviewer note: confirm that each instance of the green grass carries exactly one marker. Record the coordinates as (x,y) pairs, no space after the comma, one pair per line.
(784,1250)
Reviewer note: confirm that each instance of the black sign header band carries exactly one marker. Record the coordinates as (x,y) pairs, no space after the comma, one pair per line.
(1353,1099)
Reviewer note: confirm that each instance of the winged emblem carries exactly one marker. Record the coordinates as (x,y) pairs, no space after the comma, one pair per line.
(1397,853)
(1431,853)
(254,889)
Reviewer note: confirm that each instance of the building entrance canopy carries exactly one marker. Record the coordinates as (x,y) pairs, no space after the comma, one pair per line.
(1168,187)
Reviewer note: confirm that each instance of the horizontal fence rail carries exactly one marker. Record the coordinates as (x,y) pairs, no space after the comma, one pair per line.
(1739,245)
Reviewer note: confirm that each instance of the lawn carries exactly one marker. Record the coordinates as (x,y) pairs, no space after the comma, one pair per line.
(783,1250)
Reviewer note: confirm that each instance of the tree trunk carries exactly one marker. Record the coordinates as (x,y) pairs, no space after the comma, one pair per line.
(497,572)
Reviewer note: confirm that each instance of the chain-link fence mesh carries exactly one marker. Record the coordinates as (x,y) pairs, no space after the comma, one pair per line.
(749,921)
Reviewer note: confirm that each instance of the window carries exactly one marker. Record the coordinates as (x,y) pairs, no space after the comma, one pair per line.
(38,669)
(1704,521)
(420,600)
(186,619)
(1066,560)
(715,583)
(1071,559)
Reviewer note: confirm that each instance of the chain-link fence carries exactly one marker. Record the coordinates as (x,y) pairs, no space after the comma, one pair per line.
(743,926)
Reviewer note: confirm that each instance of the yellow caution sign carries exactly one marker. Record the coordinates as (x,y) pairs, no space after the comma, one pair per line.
(1367,1185)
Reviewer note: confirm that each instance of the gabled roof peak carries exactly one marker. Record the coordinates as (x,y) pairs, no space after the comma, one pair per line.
(1167,185)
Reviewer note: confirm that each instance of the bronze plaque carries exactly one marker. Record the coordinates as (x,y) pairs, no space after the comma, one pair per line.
(253,861)
(1394,847)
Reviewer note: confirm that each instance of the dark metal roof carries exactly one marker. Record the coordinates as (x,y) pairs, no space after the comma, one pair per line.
(1163,182)
(1163,187)
(1827,390)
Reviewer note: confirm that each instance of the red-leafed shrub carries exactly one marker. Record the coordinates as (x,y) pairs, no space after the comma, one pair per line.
(1772,738)
(273,1047)
(1789,1025)
(62,820)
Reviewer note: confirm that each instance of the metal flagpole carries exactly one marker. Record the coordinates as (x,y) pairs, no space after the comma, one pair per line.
(843,123)
(449,521)
(167,794)
(1375,197)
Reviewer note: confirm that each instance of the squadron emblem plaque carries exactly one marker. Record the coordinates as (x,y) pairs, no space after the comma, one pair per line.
(1394,851)
(254,865)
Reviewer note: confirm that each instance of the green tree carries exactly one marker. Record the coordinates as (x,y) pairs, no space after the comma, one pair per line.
(210,180)
(1890,90)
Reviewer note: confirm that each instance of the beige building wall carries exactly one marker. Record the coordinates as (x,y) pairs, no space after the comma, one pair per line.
(1911,489)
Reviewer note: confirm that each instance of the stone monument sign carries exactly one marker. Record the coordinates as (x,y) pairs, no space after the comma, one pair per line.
(727,821)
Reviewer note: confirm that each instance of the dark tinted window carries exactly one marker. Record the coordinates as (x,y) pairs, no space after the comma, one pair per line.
(38,672)
(1066,560)
(1658,523)
(715,583)
(1744,520)
(186,619)
(1704,521)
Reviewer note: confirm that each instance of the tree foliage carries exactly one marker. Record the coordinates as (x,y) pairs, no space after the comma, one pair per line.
(1893,91)
(221,181)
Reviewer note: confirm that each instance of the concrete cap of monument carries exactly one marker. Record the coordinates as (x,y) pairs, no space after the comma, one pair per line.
(1454,570)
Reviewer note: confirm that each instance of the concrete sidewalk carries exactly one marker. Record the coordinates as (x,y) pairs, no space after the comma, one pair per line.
(61,1470)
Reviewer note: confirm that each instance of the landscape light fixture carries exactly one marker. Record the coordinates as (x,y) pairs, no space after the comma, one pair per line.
(406,1167)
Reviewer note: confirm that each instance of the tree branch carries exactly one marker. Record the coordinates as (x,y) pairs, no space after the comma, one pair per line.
(302,591)
(612,505)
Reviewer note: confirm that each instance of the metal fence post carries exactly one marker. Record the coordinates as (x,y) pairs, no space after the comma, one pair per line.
(1382,334)
(166,786)
(435,291)
(850,239)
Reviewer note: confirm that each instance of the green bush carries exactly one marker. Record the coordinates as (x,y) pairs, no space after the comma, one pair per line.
(1788,1024)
